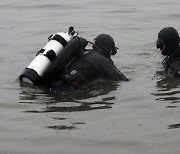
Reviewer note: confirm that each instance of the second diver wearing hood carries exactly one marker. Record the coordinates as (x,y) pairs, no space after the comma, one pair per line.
(168,43)
(91,64)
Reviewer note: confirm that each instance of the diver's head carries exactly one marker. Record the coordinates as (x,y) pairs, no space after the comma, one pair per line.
(168,40)
(106,44)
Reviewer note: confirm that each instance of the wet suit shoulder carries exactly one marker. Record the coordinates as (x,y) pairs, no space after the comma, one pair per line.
(172,64)
(174,68)
(103,66)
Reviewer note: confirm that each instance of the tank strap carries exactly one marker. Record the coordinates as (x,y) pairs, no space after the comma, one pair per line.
(60,39)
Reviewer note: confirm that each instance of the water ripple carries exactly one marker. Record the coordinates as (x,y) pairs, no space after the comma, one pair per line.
(173,126)
(69,102)
(168,89)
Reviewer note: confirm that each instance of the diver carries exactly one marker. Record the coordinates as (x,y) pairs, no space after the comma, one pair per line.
(90,64)
(168,44)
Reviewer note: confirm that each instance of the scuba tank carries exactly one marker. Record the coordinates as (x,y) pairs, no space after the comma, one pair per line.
(73,50)
(35,71)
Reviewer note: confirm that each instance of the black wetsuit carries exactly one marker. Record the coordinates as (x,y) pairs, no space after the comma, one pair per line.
(90,66)
(172,63)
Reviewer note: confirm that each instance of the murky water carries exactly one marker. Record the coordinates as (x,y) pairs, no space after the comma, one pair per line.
(135,117)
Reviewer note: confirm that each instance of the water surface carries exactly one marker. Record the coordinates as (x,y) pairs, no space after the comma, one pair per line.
(135,117)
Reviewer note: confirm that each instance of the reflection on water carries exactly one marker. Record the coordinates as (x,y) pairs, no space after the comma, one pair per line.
(84,100)
(62,127)
(33,94)
(69,102)
(168,89)
(80,106)
(174,126)
(73,125)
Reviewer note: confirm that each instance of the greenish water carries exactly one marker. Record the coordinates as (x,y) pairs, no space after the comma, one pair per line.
(135,117)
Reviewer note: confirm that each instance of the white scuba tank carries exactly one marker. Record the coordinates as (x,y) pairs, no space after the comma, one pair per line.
(34,71)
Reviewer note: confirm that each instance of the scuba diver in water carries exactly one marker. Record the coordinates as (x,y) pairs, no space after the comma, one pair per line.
(168,43)
(64,63)
(90,64)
